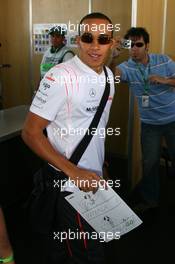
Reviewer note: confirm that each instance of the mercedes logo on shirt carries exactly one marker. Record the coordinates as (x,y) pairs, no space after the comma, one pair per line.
(92,93)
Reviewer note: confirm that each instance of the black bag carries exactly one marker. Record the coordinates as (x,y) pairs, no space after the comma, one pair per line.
(44,198)
(41,205)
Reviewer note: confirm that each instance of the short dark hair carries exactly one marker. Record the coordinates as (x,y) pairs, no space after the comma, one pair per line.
(137,32)
(94,15)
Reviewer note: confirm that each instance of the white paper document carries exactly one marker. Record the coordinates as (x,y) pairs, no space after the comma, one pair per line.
(105,211)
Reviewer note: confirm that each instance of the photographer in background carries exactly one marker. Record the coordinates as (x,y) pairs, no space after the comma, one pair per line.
(151,77)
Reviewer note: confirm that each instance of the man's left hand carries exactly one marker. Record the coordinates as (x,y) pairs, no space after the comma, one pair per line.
(157,79)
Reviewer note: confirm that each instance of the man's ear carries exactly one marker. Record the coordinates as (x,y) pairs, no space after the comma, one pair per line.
(78,40)
(112,43)
(147,46)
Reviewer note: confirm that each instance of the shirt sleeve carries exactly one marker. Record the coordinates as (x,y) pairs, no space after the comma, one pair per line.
(51,95)
(122,68)
(171,68)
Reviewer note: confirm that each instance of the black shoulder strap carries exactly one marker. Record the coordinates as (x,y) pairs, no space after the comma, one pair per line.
(80,149)
(68,51)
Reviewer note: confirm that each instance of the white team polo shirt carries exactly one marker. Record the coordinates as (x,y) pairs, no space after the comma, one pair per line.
(68,96)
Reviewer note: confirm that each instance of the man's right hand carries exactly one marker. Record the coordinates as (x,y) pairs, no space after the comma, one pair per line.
(85,180)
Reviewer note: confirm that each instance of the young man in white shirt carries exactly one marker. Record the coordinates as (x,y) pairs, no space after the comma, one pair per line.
(67,100)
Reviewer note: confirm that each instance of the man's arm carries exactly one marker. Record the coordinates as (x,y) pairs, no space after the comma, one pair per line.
(5,246)
(162,80)
(33,136)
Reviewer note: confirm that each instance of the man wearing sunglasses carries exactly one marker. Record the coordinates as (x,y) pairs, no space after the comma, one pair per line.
(68,98)
(152,80)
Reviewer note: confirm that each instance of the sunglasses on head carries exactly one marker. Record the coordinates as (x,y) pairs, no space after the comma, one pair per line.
(102,38)
(137,44)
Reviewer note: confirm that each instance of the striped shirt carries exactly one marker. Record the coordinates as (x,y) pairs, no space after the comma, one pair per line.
(161,108)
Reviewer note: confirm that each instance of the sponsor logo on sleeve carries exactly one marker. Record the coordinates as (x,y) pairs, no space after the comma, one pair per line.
(46,86)
(50,77)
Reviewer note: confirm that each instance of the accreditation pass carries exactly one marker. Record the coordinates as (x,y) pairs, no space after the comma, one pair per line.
(145,100)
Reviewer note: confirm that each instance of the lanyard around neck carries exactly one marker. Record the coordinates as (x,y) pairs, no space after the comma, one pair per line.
(145,75)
